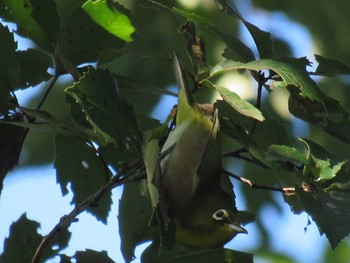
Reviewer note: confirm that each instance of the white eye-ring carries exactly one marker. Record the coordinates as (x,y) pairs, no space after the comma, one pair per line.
(220,214)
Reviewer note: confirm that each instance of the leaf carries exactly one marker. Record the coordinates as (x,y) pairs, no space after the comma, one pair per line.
(66,8)
(240,50)
(324,170)
(24,240)
(135,212)
(35,19)
(87,256)
(330,211)
(151,157)
(29,75)
(11,141)
(82,40)
(77,163)
(328,66)
(261,38)
(328,114)
(9,66)
(44,121)
(90,255)
(284,152)
(208,256)
(291,74)
(242,106)
(110,18)
(111,117)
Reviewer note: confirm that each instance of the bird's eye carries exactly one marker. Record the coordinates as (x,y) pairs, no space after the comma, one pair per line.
(220,214)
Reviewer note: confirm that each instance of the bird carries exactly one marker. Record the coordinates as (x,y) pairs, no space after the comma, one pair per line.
(205,215)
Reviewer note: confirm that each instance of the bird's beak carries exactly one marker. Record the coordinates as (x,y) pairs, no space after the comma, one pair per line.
(238,228)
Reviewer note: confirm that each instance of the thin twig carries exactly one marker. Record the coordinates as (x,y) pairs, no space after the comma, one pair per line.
(237,154)
(52,83)
(285,190)
(66,220)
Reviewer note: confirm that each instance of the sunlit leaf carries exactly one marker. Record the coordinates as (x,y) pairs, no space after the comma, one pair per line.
(242,106)
(291,75)
(324,170)
(284,152)
(110,18)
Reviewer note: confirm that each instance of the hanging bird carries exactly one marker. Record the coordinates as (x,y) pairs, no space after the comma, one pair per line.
(205,215)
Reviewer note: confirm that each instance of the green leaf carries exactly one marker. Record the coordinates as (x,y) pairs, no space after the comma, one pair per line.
(135,212)
(9,66)
(77,163)
(328,66)
(261,38)
(11,141)
(87,256)
(324,170)
(328,114)
(24,240)
(106,111)
(44,121)
(291,74)
(345,187)
(238,48)
(284,152)
(110,18)
(35,19)
(29,75)
(82,40)
(242,106)
(330,211)
(66,8)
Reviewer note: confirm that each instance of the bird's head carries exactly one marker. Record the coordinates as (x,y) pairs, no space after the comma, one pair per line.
(209,221)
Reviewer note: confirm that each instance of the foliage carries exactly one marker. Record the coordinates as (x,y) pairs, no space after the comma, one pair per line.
(112,92)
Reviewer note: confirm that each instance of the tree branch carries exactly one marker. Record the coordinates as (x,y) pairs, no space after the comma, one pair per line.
(124,176)
(284,190)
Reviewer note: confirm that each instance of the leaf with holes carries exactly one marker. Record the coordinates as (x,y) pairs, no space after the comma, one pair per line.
(77,164)
(330,210)
(107,112)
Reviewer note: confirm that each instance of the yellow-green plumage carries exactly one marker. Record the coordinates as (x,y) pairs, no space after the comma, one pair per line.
(191,174)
